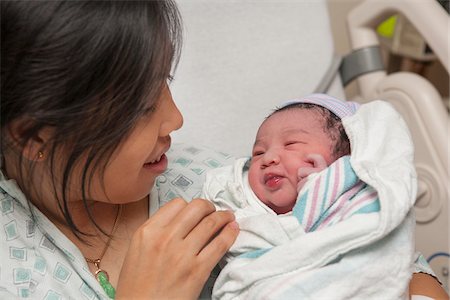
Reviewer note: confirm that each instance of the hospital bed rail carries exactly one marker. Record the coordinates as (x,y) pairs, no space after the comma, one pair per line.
(422,107)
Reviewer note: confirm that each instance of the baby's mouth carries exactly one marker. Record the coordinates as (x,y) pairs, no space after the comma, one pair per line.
(272,180)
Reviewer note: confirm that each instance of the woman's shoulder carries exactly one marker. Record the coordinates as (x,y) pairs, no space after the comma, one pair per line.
(22,268)
(35,264)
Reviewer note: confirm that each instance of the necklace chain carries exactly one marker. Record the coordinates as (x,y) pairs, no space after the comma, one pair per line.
(113,230)
(100,274)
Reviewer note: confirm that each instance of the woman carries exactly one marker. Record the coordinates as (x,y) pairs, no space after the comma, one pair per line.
(86,117)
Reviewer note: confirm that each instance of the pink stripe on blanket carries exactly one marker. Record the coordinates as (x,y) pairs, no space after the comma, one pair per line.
(337,181)
(340,202)
(315,198)
(368,198)
(314,215)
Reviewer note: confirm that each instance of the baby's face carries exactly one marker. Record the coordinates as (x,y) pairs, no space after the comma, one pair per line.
(282,145)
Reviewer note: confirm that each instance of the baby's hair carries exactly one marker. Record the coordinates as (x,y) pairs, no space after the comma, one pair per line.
(89,70)
(332,126)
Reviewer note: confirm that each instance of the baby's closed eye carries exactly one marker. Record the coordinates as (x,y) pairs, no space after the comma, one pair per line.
(257,153)
(290,143)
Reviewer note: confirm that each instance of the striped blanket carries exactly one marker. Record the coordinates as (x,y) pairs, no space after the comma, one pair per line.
(333,195)
(350,234)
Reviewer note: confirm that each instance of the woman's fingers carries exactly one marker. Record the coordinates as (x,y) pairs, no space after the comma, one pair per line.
(191,215)
(168,212)
(207,229)
(203,233)
(176,249)
(195,223)
(219,245)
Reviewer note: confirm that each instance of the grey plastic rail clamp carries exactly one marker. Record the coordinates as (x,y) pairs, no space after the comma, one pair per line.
(359,62)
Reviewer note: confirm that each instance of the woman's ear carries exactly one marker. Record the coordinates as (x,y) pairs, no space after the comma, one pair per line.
(34,148)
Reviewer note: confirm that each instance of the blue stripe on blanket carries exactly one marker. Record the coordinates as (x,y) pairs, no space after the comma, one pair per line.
(325,193)
(334,208)
(299,209)
(350,177)
(323,208)
(254,253)
(361,200)
(370,208)
(319,221)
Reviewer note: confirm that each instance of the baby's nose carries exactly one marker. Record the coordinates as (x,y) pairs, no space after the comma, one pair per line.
(271,157)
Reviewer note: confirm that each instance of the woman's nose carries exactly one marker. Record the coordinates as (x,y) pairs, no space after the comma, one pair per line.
(270,158)
(174,118)
(177,117)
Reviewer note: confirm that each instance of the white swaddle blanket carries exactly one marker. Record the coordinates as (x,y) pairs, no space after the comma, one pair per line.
(363,256)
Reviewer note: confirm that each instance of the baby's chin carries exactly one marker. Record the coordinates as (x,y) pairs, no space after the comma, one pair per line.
(282,207)
(280,201)
(283,210)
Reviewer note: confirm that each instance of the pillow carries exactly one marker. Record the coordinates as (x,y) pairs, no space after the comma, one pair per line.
(184,178)
(186,171)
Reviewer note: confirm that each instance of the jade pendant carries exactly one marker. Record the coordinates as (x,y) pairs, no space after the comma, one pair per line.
(102,278)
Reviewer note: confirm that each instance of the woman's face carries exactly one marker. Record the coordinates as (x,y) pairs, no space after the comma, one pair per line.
(131,172)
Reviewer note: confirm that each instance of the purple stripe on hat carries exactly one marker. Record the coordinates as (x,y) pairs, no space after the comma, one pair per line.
(339,107)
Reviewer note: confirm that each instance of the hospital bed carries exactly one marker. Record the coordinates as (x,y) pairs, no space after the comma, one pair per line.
(241,58)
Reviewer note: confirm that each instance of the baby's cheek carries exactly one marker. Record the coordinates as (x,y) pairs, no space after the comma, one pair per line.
(253,178)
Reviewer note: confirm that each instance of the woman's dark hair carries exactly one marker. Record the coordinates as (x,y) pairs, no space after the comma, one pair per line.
(87,69)
(332,126)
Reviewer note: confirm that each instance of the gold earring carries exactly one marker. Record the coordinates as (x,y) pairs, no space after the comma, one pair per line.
(40,154)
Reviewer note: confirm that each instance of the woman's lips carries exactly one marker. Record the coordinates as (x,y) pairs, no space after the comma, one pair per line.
(155,160)
(158,165)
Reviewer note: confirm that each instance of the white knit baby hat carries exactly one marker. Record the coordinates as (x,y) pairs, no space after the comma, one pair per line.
(339,107)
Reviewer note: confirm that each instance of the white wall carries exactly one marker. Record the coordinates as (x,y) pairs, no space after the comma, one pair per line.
(242,58)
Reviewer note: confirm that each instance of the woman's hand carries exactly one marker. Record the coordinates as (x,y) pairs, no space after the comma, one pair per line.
(172,254)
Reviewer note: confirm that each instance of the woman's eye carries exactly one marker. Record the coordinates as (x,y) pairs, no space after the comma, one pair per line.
(150,110)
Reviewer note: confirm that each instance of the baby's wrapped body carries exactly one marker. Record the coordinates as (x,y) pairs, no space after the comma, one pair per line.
(350,226)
